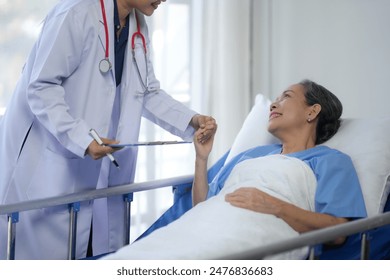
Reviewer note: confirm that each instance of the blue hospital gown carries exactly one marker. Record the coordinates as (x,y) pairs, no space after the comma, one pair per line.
(338,190)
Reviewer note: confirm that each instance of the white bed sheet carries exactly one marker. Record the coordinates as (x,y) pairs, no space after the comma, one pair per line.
(214,228)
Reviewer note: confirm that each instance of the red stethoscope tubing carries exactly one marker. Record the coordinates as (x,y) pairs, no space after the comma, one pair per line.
(105,28)
(138,33)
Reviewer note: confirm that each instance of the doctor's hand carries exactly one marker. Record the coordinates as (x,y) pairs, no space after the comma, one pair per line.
(207,124)
(97,151)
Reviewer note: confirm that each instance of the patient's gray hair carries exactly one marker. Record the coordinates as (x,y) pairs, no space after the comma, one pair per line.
(331,109)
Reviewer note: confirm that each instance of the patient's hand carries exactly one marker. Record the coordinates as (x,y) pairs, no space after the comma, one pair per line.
(204,146)
(253,199)
(299,219)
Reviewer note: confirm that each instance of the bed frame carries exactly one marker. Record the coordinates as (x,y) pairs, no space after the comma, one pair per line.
(369,238)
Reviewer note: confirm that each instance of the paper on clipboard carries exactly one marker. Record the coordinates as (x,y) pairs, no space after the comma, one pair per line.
(152,143)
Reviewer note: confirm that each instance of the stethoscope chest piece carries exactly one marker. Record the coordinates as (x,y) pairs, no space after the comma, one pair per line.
(104,65)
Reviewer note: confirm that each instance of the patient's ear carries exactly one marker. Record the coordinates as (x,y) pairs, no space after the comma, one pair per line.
(314,110)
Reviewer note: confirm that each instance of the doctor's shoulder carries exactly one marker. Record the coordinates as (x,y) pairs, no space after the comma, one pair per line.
(71,10)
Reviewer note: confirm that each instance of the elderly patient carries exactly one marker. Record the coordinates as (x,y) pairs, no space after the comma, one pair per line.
(268,193)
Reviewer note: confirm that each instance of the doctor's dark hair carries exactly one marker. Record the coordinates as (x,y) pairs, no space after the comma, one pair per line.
(331,109)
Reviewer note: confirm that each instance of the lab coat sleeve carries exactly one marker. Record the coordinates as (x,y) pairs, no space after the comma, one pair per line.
(161,108)
(170,114)
(59,52)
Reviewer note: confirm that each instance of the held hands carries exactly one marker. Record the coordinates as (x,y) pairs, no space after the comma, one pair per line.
(204,138)
(207,124)
(97,151)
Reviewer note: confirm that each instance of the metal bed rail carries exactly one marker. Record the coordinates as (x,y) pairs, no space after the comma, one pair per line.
(73,200)
(319,237)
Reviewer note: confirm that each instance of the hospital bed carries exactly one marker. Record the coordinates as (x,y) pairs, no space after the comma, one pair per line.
(365,140)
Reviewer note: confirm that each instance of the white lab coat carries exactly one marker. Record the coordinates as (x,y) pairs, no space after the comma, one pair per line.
(62,95)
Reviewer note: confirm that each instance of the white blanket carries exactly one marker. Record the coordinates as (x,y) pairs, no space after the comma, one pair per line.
(214,228)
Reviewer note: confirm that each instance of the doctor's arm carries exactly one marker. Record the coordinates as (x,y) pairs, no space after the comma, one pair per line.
(299,219)
(56,59)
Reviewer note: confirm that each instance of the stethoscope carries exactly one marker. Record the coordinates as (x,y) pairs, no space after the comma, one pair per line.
(105,64)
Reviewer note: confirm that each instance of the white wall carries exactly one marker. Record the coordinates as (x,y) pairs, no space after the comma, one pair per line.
(342,44)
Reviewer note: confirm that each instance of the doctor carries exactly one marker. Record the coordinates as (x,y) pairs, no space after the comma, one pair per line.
(81,74)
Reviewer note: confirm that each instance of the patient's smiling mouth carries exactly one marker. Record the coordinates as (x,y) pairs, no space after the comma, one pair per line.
(274,115)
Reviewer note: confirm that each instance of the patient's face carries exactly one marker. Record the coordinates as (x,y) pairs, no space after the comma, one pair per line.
(289,111)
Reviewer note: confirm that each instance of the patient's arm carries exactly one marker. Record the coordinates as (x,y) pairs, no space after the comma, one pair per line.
(200,184)
(299,219)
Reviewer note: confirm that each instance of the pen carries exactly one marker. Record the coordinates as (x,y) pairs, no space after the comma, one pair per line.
(96,137)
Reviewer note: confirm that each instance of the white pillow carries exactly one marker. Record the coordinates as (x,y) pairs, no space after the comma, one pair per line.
(366,141)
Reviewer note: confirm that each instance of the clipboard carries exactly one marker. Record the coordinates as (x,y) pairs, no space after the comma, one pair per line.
(152,143)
